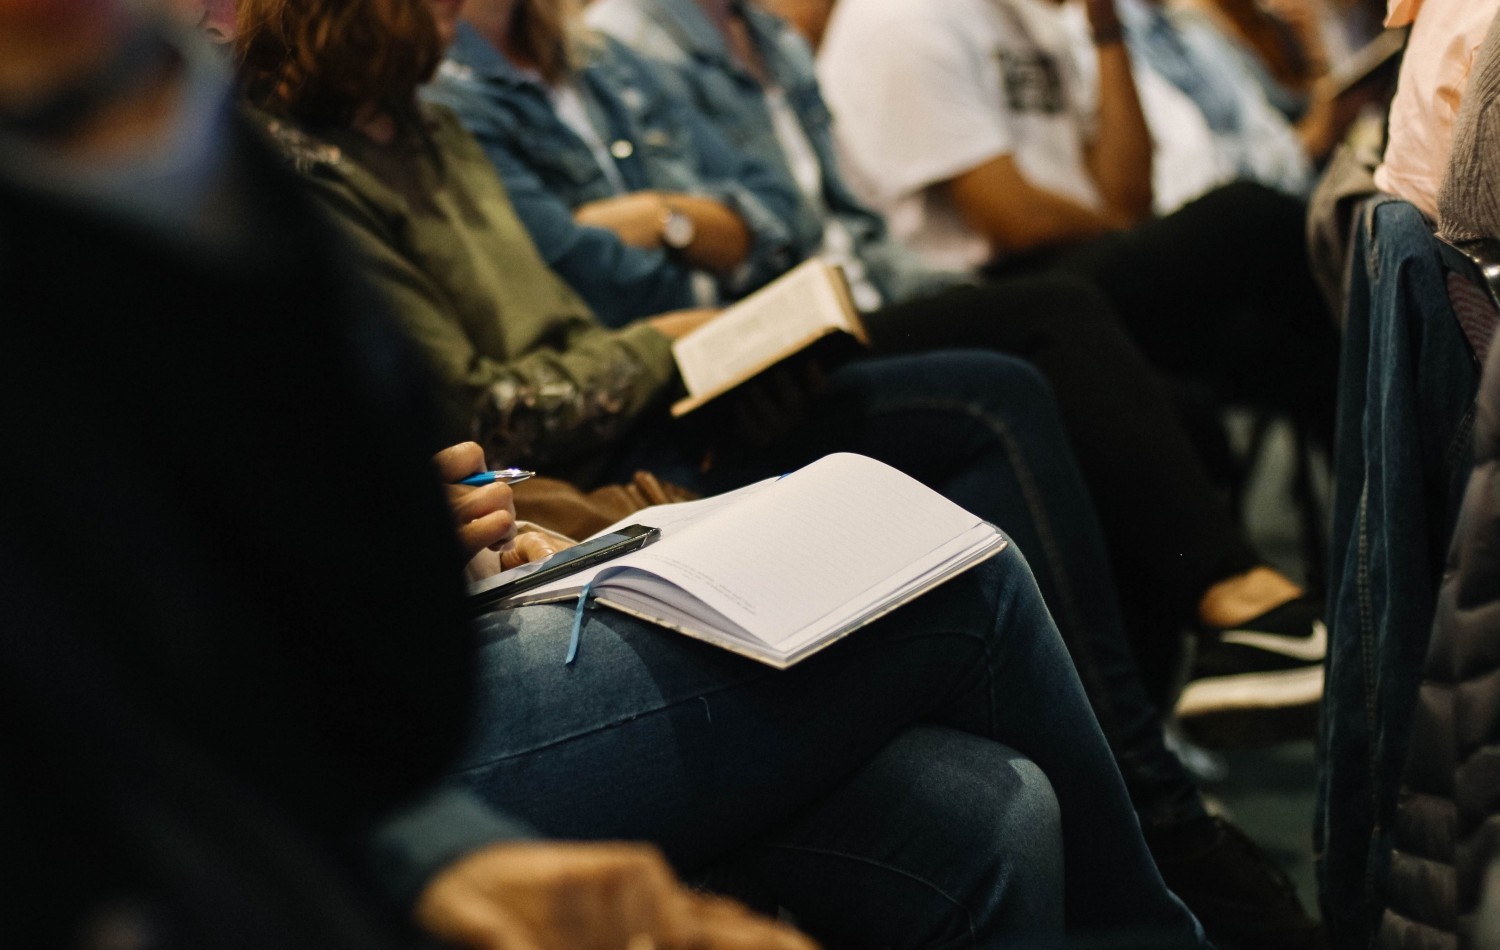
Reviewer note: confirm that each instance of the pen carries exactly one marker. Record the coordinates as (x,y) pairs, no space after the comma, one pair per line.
(507,475)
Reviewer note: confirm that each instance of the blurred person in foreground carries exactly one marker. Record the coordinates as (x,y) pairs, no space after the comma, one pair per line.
(235,654)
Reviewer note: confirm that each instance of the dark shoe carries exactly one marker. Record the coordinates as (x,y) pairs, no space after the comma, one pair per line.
(1242,898)
(1260,681)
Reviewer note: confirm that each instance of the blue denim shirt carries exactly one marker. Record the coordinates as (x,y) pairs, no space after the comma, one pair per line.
(1194,56)
(696,61)
(658,143)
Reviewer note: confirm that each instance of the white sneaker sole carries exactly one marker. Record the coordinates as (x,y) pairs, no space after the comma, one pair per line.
(1251,691)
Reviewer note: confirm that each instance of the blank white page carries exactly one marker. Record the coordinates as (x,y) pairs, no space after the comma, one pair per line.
(789,554)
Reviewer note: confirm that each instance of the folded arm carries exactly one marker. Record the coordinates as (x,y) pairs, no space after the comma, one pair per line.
(720,239)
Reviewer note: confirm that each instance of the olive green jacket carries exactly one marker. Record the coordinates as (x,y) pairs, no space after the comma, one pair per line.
(524,367)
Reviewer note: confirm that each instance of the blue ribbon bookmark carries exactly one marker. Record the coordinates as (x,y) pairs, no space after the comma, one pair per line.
(578,612)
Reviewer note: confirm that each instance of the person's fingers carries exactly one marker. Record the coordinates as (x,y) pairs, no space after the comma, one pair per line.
(485,563)
(528,547)
(459,461)
(485,516)
(465,915)
(714,923)
(632,898)
(470,503)
(487,531)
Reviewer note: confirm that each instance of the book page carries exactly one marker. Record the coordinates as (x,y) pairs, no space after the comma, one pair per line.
(769,325)
(808,544)
(670,519)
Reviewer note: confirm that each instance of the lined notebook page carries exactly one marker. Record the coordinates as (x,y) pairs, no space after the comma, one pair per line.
(807,544)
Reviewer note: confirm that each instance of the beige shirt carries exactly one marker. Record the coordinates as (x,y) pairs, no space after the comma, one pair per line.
(1434,73)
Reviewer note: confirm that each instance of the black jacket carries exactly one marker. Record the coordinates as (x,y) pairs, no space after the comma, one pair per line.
(231,628)
(1447,828)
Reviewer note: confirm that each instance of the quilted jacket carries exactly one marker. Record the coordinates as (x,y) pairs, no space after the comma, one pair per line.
(1447,829)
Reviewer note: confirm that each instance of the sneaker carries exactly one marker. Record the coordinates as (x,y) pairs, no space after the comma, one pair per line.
(1244,900)
(1260,681)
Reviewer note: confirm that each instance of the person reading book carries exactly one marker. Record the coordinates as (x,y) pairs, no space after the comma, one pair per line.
(225,662)
(633,778)
(535,379)
(1175,545)
(1178,552)
(522,363)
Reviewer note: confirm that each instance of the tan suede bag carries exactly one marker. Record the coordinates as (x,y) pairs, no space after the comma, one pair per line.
(559,506)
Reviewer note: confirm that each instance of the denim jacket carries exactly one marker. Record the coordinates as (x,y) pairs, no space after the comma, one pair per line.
(657,143)
(696,61)
(1406,394)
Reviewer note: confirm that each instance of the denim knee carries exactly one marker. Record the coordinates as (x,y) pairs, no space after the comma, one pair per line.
(944,839)
(995,814)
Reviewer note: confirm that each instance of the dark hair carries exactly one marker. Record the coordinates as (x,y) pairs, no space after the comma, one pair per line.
(318,61)
(548,33)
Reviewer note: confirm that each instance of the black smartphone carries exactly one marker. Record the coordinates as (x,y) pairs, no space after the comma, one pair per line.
(527,576)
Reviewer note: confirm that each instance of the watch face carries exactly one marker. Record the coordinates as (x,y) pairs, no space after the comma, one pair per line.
(677,231)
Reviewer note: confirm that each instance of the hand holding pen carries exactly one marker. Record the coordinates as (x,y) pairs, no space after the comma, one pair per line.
(483,510)
(509,476)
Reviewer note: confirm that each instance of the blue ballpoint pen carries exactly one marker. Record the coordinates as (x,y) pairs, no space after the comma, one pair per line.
(507,475)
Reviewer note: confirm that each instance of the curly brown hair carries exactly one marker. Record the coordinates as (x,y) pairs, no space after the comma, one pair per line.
(319,61)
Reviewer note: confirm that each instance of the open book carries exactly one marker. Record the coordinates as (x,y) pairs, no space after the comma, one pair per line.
(781,569)
(784,317)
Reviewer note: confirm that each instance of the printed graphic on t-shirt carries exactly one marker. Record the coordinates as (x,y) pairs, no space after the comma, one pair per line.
(1033,81)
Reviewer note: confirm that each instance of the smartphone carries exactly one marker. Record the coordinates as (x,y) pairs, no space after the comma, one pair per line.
(527,576)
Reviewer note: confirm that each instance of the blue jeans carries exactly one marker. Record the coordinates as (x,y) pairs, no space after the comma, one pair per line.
(983,429)
(1402,455)
(872,788)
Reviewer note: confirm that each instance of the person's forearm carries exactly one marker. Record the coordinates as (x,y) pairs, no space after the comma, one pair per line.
(720,241)
(999,202)
(1120,157)
(1053,221)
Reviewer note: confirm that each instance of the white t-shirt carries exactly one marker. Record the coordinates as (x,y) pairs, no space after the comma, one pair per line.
(924,90)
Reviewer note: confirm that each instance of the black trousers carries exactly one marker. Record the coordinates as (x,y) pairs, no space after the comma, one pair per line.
(1218,296)
(1221,292)
(1168,529)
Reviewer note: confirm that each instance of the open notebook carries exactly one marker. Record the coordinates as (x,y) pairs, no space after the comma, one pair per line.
(781,569)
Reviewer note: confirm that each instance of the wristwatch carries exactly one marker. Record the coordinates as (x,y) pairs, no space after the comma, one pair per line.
(677,229)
